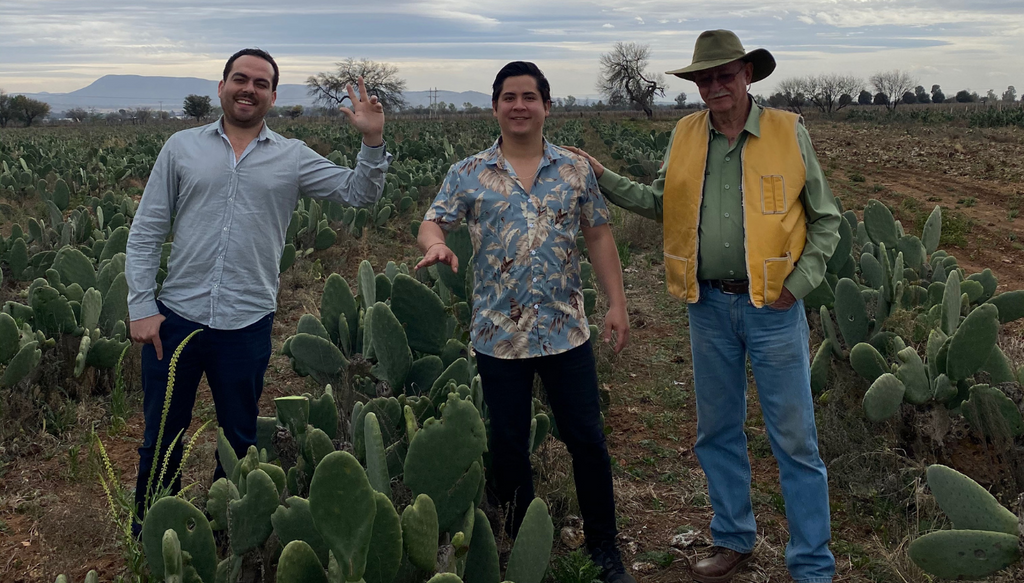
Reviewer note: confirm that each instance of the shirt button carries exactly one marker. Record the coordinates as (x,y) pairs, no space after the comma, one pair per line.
(727,187)
(727,158)
(536,306)
(530,225)
(225,228)
(727,215)
(533,252)
(727,244)
(535,280)
(731,272)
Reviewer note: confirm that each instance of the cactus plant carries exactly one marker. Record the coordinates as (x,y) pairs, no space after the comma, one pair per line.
(1010,305)
(249,517)
(22,365)
(914,377)
(967,504)
(299,564)
(851,312)
(337,302)
(194,534)
(420,531)
(391,347)
(868,362)
(444,460)
(992,413)
(951,304)
(964,554)
(293,521)
(883,398)
(343,507)
(376,462)
(820,366)
(973,342)
(421,312)
(386,543)
(532,550)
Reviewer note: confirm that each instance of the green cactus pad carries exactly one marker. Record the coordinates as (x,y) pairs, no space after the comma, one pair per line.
(851,313)
(249,517)
(317,446)
(936,338)
(868,362)
(967,504)
(53,313)
(194,534)
(367,284)
(10,338)
(842,252)
(174,568)
(482,559)
(376,462)
(421,312)
(343,507)
(914,377)
(383,287)
(964,554)
(913,252)
(880,225)
(458,371)
(310,324)
(820,297)
(389,417)
(445,578)
(420,531)
(316,356)
(422,374)
(992,413)
(1010,305)
(951,304)
(988,282)
(226,453)
(74,267)
(293,413)
(883,398)
(287,258)
(998,367)
(443,460)
(391,347)
(293,521)
(115,304)
(323,413)
(944,388)
(532,550)
(221,493)
(385,553)
(22,365)
(973,342)
(299,564)
(459,242)
(932,231)
(973,290)
(872,271)
(336,302)
(820,367)
(453,350)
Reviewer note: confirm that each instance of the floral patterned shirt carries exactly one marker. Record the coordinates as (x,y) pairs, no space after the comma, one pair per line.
(527,297)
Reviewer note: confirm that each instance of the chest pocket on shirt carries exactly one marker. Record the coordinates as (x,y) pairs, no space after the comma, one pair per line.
(773,195)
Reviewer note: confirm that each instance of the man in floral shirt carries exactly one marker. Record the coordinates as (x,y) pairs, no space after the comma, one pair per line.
(525,200)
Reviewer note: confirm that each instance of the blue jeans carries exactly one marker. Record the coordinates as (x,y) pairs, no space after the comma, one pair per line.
(724,330)
(234,362)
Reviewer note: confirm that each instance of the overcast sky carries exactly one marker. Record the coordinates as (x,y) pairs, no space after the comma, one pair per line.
(458,45)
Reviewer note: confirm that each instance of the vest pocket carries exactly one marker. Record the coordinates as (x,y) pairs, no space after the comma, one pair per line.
(773,195)
(776,269)
(677,275)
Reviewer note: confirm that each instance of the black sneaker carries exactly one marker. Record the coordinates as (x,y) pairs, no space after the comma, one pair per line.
(607,557)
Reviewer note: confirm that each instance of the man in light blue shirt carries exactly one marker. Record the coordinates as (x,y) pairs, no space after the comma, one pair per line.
(226,192)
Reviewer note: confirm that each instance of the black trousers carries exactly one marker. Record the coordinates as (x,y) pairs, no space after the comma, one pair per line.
(570,380)
(234,362)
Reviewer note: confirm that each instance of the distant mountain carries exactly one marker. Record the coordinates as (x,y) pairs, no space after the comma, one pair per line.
(112,92)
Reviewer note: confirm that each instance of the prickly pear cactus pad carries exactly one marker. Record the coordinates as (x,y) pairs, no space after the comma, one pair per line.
(968,555)
(193,530)
(532,550)
(299,564)
(967,504)
(343,507)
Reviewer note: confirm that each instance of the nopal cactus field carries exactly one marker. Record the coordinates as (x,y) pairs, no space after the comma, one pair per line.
(372,458)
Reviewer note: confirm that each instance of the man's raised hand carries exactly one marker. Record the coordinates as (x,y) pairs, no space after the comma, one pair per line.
(366,115)
(439,253)
(597,166)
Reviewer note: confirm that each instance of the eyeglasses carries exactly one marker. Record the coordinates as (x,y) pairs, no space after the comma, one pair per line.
(722,78)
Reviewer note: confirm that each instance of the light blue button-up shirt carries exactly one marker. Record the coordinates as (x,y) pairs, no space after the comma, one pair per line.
(527,297)
(229,221)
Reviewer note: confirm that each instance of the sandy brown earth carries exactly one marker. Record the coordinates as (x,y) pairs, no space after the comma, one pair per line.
(54,516)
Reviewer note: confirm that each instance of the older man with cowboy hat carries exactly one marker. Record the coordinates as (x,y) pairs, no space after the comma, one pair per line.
(749,222)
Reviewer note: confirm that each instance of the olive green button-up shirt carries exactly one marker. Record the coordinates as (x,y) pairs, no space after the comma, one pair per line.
(721,250)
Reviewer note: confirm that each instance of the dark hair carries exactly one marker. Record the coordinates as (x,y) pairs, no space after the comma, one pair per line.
(517,69)
(253,53)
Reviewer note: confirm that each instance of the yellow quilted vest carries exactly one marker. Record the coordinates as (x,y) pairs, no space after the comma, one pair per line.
(774,226)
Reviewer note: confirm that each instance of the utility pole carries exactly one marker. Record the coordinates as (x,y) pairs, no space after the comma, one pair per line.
(433,102)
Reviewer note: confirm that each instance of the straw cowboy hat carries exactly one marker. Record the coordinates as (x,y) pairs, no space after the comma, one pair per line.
(718,47)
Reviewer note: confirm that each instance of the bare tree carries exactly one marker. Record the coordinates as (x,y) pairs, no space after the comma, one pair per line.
(624,78)
(893,84)
(825,90)
(76,114)
(793,91)
(381,79)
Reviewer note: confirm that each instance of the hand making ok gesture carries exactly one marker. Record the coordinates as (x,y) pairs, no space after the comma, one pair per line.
(366,115)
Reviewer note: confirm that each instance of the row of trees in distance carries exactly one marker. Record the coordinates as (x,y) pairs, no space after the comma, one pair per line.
(21,108)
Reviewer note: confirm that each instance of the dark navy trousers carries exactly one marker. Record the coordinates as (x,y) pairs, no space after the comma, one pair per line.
(234,362)
(570,381)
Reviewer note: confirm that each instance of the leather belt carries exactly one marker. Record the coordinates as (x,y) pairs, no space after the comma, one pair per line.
(729,286)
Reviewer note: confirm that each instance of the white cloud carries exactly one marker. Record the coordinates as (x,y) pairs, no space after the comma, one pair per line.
(606,25)
(639,20)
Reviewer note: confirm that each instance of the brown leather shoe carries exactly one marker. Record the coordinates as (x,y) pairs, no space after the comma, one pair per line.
(720,566)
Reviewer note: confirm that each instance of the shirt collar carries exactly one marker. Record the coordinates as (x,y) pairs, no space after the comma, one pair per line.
(493,157)
(753,123)
(218,126)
